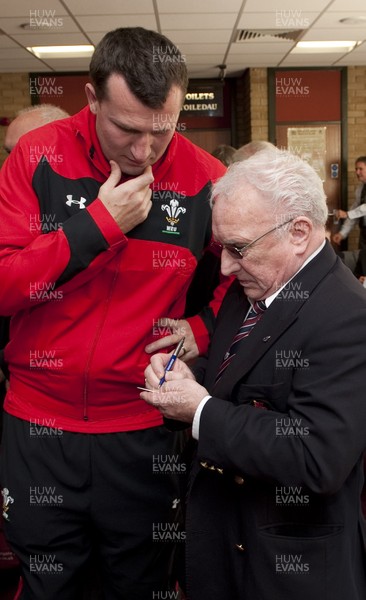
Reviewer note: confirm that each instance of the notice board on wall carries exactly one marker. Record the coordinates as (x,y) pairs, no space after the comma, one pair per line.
(310,144)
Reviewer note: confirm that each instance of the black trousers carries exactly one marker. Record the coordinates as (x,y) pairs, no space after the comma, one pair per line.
(69,493)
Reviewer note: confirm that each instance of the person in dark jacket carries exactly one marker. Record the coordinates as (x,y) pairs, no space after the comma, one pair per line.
(278,406)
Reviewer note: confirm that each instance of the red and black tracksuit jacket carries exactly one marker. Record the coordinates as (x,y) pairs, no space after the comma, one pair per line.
(85,299)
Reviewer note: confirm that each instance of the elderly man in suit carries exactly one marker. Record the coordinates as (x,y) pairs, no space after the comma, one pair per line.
(278,407)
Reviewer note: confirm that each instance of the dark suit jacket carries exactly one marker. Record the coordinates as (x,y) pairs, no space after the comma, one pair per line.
(274,502)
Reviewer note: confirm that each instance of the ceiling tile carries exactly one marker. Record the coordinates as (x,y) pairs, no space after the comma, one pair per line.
(12,26)
(198,21)
(294,8)
(200,6)
(22,8)
(179,37)
(276,20)
(56,39)
(110,22)
(110,7)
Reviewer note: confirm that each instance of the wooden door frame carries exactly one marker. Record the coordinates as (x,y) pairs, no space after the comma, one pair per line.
(344,129)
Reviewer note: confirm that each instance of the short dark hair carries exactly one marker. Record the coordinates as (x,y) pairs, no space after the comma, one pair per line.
(149,62)
(361,159)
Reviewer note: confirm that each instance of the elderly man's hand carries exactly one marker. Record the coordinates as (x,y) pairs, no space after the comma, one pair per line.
(179,328)
(156,370)
(177,398)
(179,395)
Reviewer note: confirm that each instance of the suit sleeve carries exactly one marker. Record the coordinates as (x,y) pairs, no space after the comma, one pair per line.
(87,241)
(319,439)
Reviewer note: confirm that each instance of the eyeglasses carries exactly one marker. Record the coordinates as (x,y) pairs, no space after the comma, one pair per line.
(236,252)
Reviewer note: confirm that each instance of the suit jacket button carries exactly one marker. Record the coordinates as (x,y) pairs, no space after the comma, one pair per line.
(239,480)
(240,547)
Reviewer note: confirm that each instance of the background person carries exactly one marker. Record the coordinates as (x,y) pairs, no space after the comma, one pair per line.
(96,257)
(357,211)
(26,120)
(360,268)
(247,150)
(30,118)
(274,501)
(224,153)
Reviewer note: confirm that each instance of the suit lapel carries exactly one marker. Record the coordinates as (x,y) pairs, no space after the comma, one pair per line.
(233,313)
(266,332)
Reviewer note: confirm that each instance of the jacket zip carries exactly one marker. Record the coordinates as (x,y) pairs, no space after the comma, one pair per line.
(96,340)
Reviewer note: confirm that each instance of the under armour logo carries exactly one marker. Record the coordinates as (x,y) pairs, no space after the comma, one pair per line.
(71,201)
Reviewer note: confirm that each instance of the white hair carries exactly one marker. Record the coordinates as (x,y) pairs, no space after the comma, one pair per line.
(46,112)
(251,148)
(286,182)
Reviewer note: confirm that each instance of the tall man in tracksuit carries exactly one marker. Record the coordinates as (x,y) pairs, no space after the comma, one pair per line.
(103,217)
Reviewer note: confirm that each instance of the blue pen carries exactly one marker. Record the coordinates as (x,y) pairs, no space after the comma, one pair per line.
(172,360)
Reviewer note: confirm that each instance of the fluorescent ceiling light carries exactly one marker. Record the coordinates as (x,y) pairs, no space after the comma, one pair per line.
(319,47)
(61,51)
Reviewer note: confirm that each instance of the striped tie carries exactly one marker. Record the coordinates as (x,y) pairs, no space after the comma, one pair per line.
(253,316)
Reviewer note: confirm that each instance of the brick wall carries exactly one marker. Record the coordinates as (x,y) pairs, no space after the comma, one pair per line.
(251,107)
(259,104)
(14,95)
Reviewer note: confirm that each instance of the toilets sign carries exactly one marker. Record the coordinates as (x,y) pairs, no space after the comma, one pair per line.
(204,101)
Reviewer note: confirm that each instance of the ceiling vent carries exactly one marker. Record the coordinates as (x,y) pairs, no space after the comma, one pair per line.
(248,35)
